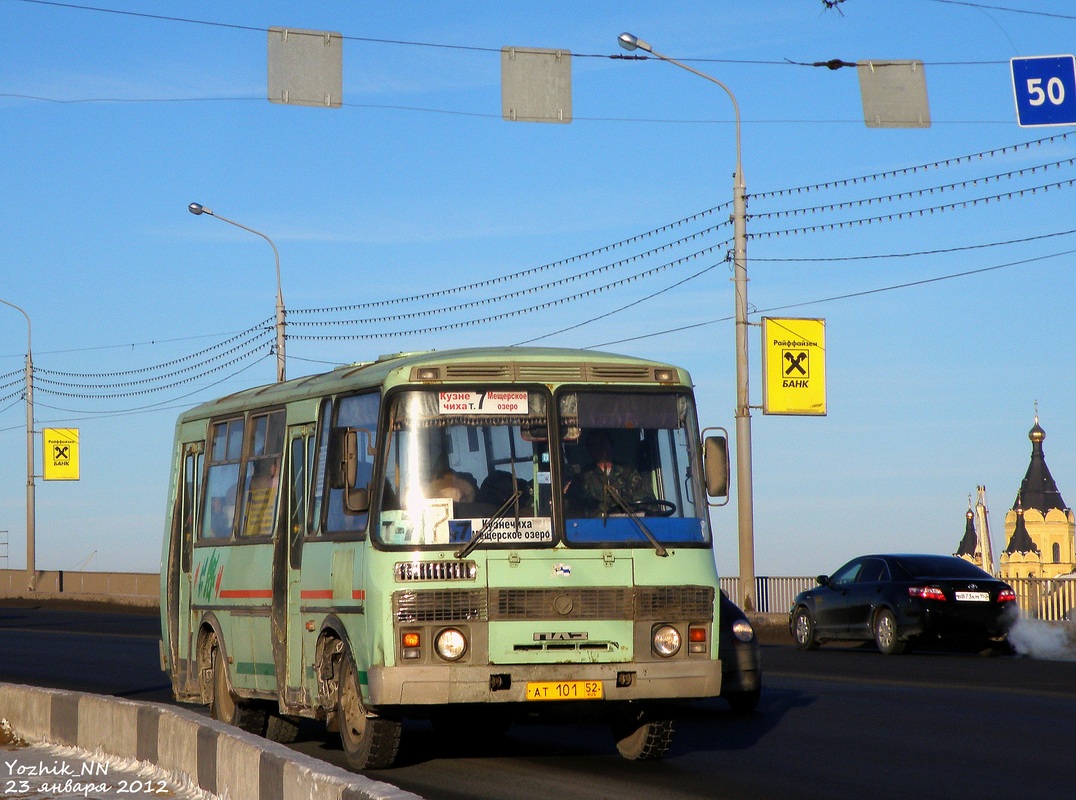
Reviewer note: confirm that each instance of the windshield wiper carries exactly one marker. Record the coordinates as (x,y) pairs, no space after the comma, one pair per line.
(502,512)
(659,548)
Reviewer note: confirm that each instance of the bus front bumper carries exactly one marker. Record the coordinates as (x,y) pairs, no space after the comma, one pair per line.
(507,683)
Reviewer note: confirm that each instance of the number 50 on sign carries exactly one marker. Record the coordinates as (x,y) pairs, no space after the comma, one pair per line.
(1045,90)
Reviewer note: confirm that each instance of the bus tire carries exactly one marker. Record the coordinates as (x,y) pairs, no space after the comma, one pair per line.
(281,729)
(224,706)
(641,739)
(369,741)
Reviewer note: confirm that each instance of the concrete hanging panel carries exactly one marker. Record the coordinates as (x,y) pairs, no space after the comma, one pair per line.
(894,94)
(306,68)
(536,85)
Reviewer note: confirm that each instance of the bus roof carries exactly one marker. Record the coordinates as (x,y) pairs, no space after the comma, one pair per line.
(465,365)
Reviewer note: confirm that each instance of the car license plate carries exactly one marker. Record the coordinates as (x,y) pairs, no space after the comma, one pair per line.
(564,690)
(973,597)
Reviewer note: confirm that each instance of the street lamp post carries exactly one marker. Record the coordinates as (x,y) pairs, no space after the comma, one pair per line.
(198,209)
(31,501)
(744,492)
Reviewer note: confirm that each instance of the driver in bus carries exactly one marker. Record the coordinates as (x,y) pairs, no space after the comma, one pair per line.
(589,492)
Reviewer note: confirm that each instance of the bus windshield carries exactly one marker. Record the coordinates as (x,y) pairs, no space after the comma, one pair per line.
(466,464)
(454,459)
(627,467)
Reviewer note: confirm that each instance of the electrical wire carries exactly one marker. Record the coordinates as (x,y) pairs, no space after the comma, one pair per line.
(848,296)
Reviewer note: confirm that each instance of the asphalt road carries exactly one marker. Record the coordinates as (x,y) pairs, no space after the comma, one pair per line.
(836,723)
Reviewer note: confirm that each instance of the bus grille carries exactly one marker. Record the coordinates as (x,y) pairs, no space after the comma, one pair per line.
(439,605)
(518,604)
(620,372)
(546,372)
(411,571)
(675,602)
(695,603)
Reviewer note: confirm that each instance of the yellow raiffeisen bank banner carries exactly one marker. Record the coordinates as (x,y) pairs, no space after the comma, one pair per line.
(793,366)
(61,453)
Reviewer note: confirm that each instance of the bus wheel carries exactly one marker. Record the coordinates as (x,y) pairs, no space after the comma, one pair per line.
(281,729)
(370,742)
(223,704)
(640,739)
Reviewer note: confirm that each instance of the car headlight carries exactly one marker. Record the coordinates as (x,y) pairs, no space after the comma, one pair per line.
(450,644)
(742,630)
(666,640)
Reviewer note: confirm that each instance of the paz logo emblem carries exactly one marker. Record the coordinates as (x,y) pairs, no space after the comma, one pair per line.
(563,604)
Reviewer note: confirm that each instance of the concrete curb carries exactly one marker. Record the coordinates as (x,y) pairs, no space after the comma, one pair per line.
(215,757)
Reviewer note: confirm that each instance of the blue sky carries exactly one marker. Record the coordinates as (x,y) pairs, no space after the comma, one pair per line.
(946,320)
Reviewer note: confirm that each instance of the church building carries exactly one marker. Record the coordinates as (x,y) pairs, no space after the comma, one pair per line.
(1040,530)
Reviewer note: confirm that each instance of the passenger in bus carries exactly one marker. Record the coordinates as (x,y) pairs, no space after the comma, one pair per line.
(222,514)
(588,494)
(261,498)
(447,483)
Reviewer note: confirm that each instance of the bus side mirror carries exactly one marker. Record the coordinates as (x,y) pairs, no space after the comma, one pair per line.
(716,465)
(356,498)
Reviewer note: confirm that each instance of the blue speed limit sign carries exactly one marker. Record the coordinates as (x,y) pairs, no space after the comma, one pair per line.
(1045,90)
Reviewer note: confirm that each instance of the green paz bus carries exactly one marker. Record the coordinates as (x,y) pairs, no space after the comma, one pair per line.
(429,536)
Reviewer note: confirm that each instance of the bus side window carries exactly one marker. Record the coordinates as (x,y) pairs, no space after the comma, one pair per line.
(297,498)
(262,484)
(192,490)
(321,460)
(357,412)
(222,479)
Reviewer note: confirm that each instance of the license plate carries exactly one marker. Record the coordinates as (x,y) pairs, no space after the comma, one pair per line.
(564,690)
(973,597)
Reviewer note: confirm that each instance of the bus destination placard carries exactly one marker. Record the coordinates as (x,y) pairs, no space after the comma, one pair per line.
(488,402)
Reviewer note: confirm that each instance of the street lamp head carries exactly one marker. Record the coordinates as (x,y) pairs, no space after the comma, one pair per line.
(631,42)
(198,208)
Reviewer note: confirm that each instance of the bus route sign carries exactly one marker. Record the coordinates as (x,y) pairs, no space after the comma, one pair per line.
(1045,90)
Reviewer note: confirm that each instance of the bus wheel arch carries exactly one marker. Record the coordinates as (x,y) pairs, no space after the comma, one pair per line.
(209,639)
(327,654)
(216,685)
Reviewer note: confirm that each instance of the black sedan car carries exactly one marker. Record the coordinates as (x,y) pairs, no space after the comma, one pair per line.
(897,600)
(741,664)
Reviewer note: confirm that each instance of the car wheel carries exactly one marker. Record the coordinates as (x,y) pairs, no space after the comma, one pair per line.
(803,630)
(885,634)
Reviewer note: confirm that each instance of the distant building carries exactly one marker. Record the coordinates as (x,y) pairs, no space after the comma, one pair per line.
(975,545)
(1040,530)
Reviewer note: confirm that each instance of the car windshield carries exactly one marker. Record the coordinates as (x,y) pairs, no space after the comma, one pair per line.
(627,461)
(928,566)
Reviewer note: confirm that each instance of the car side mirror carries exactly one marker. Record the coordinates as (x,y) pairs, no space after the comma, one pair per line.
(822,580)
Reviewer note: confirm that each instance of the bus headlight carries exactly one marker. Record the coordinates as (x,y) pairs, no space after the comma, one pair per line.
(450,644)
(666,640)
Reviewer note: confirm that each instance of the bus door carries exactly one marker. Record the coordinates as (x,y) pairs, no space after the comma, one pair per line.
(331,581)
(233,561)
(287,567)
(188,490)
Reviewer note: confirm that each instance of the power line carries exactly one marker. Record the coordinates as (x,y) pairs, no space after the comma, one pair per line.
(1008,9)
(834,298)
